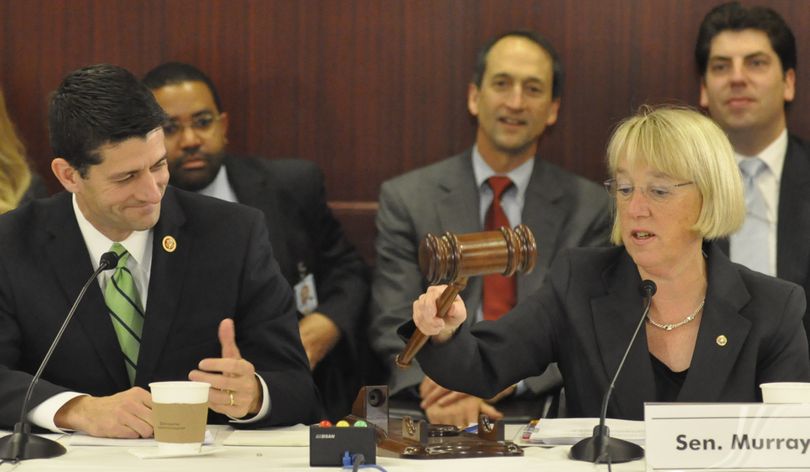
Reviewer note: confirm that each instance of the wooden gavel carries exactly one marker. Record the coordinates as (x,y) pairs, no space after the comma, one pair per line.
(457,257)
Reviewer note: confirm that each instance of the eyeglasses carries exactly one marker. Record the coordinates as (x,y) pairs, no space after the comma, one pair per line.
(201,124)
(656,193)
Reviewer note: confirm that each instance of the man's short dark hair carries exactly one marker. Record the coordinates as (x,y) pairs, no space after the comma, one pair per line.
(95,106)
(173,73)
(735,17)
(543,43)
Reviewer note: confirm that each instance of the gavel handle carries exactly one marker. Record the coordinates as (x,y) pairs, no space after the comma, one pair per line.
(418,338)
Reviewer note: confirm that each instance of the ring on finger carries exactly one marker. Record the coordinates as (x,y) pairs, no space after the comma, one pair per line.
(230,398)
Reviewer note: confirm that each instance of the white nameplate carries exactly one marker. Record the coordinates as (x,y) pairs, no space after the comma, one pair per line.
(727,436)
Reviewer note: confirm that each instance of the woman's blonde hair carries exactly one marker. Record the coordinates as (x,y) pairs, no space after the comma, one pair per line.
(15,177)
(684,144)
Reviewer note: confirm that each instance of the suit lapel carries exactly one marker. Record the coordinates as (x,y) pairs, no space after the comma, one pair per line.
(615,317)
(165,284)
(458,200)
(254,189)
(793,226)
(70,261)
(725,298)
(544,217)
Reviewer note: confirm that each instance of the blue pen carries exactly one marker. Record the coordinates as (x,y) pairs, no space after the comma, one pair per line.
(471,429)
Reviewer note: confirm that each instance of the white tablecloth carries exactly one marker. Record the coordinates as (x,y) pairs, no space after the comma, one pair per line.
(248,459)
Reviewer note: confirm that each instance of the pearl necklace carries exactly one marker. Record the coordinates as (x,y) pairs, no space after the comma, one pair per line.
(671,326)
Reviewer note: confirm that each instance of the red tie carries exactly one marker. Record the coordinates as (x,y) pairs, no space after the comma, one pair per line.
(499,291)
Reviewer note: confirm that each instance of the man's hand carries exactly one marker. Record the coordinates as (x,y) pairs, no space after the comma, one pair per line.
(462,412)
(443,406)
(446,397)
(124,415)
(319,335)
(430,392)
(235,390)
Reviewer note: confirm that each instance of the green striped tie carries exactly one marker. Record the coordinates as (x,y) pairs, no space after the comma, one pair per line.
(123,302)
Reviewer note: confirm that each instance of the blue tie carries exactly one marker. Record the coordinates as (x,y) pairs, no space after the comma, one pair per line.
(751,242)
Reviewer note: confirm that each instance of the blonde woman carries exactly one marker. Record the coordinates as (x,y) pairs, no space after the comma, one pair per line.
(17,184)
(716,329)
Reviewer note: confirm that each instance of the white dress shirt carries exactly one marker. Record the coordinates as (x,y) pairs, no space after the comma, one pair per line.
(220,187)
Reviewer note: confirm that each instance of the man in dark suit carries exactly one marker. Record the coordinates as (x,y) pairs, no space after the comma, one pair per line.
(515,95)
(747,61)
(211,301)
(329,277)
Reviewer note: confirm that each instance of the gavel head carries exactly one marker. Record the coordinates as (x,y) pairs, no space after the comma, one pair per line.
(505,252)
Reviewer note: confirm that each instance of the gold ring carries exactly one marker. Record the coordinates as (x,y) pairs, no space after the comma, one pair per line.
(230,398)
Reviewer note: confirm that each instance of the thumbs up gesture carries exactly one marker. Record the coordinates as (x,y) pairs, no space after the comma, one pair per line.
(235,389)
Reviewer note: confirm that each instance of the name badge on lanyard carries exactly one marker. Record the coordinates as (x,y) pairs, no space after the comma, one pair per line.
(306,298)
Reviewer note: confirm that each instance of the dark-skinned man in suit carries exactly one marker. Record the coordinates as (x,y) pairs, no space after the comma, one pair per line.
(329,278)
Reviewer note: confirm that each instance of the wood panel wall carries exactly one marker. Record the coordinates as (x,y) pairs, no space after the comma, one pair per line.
(369,89)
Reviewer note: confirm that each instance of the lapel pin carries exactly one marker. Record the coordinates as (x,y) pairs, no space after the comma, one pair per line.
(722,340)
(169,244)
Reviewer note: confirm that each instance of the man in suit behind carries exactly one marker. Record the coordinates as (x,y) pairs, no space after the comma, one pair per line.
(515,95)
(328,275)
(204,297)
(747,62)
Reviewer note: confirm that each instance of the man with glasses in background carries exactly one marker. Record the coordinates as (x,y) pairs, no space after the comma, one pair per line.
(329,278)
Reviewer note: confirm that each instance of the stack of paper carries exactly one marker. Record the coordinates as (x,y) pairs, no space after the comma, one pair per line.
(82,439)
(567,431)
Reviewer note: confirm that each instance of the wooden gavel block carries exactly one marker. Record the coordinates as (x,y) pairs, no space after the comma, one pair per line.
(454,258)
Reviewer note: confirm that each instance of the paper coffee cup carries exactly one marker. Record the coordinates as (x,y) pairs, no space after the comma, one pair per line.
(180,413)
(785,392)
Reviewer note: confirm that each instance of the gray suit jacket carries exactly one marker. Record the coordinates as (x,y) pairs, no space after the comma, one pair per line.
(563,211)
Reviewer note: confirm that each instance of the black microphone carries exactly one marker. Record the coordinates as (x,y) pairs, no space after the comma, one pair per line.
(21,444)
(601,447)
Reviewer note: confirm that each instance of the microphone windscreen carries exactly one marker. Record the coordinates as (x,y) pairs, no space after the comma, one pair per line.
(647,288)
(108,260)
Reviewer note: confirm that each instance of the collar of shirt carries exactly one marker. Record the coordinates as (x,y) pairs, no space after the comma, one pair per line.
(137,244)
(773,156)
(220,187)
(513,198)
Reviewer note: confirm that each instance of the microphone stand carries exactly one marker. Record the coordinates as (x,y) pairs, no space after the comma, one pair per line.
(601,447)
(21,444)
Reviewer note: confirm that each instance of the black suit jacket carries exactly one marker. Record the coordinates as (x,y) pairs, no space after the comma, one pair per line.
(585,314)
(223,267)
(793,223)
(304,233)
